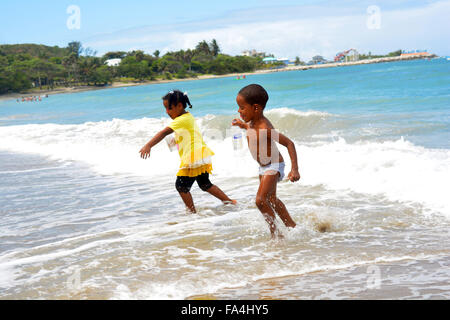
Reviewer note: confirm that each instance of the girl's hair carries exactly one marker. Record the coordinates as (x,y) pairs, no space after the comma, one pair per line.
(176,96)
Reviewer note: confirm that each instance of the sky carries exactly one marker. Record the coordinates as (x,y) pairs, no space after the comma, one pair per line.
(285,28)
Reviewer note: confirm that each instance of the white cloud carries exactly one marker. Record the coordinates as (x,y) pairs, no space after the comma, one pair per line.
(300,31)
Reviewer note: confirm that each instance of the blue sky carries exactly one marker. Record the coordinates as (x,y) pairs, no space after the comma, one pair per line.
(285,28)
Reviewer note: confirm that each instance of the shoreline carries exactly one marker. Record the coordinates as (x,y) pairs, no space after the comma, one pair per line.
(14,96)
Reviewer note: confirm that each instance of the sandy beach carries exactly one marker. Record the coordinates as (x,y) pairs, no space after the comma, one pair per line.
(11,96)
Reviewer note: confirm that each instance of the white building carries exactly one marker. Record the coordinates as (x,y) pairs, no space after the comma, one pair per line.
(269,60)
(113,62)
(253,53)
(284,60)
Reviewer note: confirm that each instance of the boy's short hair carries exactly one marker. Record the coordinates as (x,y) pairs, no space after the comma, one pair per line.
(255,94)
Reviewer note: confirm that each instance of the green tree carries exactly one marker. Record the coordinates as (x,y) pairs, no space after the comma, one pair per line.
(203,48)
(70,63)
(214,48)
(100,76)
(75,47)
(298,62)
(139,54)
(114,55)
(89,52)
(395,53)
(131,67)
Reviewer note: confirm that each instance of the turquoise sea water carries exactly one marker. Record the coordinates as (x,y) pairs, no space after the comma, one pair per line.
(414,95)
(84,217)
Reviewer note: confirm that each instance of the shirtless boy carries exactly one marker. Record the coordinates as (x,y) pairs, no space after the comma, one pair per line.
(261,138)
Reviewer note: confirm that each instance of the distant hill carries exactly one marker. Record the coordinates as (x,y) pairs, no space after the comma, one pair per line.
(35,50)
(27,66)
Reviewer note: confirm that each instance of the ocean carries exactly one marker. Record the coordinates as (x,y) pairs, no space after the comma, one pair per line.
(84,217)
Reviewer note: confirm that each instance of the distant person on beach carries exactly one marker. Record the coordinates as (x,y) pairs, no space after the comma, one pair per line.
(261,138)
(195,155)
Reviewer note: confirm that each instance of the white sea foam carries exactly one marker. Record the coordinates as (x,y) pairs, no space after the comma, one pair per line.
(293,112)
(184,288)
(397,169)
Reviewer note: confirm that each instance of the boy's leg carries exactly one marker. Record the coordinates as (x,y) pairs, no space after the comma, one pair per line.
(183,186)
(267,186)
(281,210)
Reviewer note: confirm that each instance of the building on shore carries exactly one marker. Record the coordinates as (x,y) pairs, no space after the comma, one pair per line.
(410,53)
(284,61)
(269,60)
(253,53)
(349,55)
(113,62)
(317,60)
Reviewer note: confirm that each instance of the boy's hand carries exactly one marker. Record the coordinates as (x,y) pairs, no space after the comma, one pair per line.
(239,123)
(294,175)
(145,151)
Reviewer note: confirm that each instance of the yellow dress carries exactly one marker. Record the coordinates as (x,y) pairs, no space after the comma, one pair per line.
(194,153)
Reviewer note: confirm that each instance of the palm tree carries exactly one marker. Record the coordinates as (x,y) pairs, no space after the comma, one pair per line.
(214,48)
(187,57)
(203,47)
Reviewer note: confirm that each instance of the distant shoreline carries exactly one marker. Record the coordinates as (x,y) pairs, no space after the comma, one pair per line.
(14,96)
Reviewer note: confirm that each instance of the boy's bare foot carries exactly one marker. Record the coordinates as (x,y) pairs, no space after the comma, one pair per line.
(277,235)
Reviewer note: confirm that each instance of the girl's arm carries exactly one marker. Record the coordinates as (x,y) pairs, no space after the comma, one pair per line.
(145,151)
(294,175)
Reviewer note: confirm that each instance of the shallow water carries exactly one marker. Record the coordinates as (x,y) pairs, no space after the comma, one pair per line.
(83,217)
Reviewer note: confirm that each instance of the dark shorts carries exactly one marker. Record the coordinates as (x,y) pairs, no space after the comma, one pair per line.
(184,184)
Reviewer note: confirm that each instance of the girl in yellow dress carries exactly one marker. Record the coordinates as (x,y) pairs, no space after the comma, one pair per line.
(194,153)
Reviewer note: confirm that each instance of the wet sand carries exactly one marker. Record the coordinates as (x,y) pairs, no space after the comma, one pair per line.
(403,280)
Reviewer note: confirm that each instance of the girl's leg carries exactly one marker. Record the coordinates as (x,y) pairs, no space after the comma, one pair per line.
(183,186)
(205,184)
(188,201)
(219,194)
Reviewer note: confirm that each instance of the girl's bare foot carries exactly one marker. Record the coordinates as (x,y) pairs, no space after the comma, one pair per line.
(230,202)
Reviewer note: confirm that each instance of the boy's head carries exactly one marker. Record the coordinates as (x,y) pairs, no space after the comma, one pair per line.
(251,100)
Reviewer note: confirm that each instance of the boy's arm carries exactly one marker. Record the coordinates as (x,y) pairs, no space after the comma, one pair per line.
(294,175)
(145,151)
(240,124)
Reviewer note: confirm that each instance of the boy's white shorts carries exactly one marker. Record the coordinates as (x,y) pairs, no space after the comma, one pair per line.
(274,167)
